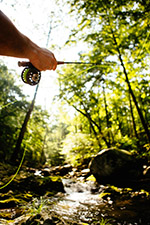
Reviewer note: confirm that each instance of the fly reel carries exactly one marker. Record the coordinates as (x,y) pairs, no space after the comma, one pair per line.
(30,75)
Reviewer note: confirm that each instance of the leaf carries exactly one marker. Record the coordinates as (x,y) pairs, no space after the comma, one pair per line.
(91,178)
(101,195)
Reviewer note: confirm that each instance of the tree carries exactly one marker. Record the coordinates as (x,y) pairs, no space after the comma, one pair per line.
(13,105)
(119,42)
(23,128)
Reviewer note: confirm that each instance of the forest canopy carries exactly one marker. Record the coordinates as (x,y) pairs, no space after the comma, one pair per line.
(111,100)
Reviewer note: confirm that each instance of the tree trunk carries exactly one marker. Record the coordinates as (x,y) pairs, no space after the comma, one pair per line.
(107,116)
(92,122)
(23,128)
(91,125)
(131,91)
(132,116)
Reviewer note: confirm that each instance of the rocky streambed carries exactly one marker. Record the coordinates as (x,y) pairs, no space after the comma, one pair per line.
(65,195)
(77,199)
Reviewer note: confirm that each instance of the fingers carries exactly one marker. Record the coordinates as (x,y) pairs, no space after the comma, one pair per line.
(54,65)
(44,60)
(51,60)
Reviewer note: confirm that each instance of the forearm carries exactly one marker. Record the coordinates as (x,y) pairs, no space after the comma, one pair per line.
(14,43)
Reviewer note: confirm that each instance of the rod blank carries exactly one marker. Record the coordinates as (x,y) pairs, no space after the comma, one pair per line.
(63,62)
(23,63)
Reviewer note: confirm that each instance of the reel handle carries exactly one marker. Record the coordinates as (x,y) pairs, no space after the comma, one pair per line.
(24,64)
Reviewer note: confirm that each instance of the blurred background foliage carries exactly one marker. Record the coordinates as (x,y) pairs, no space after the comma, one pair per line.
(110,102)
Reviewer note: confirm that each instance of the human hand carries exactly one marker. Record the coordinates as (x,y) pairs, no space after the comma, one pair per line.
(42,59)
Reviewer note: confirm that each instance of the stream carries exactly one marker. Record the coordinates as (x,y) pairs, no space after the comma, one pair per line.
(82,203)
(79,204)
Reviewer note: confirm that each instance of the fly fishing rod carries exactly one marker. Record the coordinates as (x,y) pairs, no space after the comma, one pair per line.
(31,75)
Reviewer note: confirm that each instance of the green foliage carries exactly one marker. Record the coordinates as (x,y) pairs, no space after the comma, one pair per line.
(34,141)
(105,222)
(36,206)
(79,146)
(12,107)
(111,100)
(53,146)
(113,97)
(56,158)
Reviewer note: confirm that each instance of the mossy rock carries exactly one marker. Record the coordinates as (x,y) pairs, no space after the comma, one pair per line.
(115,166)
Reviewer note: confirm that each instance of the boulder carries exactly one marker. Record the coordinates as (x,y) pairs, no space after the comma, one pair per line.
(115,166)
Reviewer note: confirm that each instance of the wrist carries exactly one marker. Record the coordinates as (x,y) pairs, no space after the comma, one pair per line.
(30,49)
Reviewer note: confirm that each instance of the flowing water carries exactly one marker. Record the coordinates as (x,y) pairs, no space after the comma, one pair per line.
(79,204)
(83,204)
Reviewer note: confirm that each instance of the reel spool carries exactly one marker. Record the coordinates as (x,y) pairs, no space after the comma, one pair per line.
(30,75)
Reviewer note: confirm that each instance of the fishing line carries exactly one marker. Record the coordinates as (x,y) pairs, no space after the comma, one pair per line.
(5,185)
